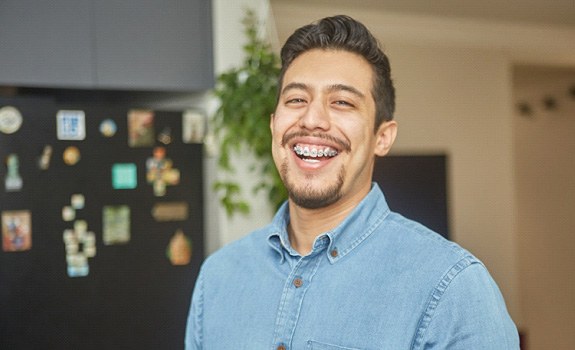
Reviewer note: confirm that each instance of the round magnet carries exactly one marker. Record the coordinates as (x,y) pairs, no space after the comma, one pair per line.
(68,213)
(108,128)
(10,119)
(78,201)
(71,155)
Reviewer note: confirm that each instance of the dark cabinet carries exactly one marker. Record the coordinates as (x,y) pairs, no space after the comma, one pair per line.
(155,44)
(46,43)
(159,45)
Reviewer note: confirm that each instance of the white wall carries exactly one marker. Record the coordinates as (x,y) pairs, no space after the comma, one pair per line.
(545,167)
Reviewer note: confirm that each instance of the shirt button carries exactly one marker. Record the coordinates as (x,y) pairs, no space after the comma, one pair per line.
(298,282)
(334,253)
(281,347)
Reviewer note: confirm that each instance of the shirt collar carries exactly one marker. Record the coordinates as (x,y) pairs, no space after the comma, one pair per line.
(353,230)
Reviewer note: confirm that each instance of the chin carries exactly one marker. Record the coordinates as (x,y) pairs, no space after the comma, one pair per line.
(312,192)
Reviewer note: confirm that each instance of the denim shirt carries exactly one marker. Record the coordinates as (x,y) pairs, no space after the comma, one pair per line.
(377,281)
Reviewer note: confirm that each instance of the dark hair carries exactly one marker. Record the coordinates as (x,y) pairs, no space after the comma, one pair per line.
(345,33)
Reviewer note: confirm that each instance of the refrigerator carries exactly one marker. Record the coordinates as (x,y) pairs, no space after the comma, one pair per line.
(102,222)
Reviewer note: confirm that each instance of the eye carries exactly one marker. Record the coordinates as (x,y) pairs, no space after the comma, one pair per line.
(295,100)
(343,103)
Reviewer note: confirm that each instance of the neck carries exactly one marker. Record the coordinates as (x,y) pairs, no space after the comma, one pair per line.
(307,224)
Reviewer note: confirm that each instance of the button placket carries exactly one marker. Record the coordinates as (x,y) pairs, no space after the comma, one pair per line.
(293,293)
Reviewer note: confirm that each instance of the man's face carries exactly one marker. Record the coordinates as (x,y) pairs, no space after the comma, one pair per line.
(323,138)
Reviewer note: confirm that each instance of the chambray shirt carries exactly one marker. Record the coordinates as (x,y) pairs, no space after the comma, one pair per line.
(377,281)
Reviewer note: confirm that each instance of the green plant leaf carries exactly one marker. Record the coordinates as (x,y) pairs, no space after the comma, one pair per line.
(247,96)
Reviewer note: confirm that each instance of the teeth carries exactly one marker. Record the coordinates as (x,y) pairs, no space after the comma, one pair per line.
(314,152)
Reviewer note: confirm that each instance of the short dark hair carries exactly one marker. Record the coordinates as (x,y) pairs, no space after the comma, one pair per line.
(344,33)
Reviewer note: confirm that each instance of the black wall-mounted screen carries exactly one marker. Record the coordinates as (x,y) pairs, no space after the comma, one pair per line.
(416,187)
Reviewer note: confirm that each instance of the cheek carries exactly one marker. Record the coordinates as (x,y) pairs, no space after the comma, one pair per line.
(277,132)
(357,131)
(279,126)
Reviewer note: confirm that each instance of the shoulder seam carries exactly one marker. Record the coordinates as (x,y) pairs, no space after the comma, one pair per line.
(198,321)
(436,295)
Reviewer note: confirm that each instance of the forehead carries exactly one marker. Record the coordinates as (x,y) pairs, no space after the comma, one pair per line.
(319,68)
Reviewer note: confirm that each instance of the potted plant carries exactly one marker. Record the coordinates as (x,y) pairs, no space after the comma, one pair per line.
(247,96)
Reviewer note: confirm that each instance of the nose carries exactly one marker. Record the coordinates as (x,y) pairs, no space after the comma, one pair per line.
(316,116)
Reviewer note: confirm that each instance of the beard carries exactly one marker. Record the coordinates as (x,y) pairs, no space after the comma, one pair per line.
(308,197)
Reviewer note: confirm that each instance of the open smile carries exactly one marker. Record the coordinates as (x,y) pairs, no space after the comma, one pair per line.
(313,154)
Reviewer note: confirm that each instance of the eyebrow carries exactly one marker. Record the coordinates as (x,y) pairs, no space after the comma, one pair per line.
(343,87)
(330,88)
(295,86)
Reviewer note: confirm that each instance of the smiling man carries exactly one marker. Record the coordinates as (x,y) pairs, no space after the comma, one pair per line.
(336,269)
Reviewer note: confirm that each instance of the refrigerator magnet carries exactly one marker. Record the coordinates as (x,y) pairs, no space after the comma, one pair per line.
(71,125)
(13,180)
(116,224)
(10,119)
(16,230)
(179,250)
(141,131)
(71,155)
(108,128)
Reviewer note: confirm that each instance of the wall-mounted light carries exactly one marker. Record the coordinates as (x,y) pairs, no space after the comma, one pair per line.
(525,109)
(550,103)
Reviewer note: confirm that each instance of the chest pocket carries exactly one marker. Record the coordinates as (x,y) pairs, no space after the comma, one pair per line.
(314,345)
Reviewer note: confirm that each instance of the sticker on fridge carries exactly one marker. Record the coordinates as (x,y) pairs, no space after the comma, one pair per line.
(16,230)
(71,125)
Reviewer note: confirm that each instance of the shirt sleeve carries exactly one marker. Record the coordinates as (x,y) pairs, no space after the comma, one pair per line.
(193,339)
(470,314)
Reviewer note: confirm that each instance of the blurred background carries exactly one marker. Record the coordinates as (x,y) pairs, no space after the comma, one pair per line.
(489,87)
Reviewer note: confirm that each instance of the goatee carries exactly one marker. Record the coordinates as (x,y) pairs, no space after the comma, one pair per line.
(308,197)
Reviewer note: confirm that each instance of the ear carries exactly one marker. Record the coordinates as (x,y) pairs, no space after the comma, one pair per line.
(384,137)
(272,123)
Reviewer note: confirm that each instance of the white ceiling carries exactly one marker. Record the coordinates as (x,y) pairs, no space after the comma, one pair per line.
(545,12)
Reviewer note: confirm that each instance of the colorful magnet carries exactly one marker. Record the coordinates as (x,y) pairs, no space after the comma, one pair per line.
(13,180)
(80,245)
(89,245)
(193,127)
(116,224)
(124,176)
(44,160)
(179,250)
(78,201)
(77,265)
(160,172)
(71,155)
(10,119)
(165,136)
(16,230)
(141,128)
(80,227)
(68,213)
(108,128)
(170,211)
(71,125)
(69,236)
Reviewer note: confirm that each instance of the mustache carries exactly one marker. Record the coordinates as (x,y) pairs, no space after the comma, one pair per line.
(343,144)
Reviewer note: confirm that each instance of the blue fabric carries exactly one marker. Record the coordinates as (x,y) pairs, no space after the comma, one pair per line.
(377,281)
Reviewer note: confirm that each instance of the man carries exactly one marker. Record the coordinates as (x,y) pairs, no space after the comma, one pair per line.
(336,269)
